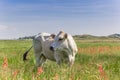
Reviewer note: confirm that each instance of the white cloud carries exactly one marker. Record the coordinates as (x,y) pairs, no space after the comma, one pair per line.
(3,28)
(8,32)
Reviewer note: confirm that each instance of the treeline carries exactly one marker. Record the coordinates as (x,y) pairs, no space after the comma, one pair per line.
(26,37)
(87,36)
(84,36)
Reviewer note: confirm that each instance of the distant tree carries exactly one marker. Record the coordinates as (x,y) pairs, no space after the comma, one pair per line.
(26,37)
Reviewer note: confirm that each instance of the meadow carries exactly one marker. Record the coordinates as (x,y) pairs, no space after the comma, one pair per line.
(96,60)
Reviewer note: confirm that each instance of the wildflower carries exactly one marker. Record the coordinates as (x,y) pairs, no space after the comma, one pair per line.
(55,77)
(100,49)
(39,70)
(33,77)
(102,73)
(71,77)
(100,69)
(5,63)
(15,73)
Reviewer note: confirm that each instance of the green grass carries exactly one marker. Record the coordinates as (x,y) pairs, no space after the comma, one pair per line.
(86,67)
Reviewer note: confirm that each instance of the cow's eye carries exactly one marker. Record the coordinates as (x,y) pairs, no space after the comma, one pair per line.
(60,39)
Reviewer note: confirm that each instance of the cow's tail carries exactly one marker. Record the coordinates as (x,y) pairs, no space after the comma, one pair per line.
(25,54)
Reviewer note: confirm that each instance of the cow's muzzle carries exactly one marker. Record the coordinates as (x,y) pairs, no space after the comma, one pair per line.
(51,48)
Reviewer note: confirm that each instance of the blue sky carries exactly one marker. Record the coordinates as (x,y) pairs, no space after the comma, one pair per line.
(29,17)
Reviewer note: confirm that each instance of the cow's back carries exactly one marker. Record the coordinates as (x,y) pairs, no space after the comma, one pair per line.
(37,41)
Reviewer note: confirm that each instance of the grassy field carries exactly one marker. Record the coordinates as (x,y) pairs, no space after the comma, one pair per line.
(96,60)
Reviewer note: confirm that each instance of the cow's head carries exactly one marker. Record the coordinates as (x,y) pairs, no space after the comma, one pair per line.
(60,41)
(64,48)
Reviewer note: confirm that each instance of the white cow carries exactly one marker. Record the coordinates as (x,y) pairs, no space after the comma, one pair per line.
(41,45)
(64,48)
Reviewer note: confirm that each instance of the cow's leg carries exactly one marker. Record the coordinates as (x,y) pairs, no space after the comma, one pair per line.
(37,58)
(37,50)
(71,60)
(42,60)
(58,61)
(57,58)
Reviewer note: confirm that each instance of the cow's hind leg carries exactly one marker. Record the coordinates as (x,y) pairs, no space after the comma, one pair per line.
(42,60)
(37,58)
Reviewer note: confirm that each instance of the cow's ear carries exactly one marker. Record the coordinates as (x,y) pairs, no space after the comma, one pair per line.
(53,35)
(61,32)
(66,35)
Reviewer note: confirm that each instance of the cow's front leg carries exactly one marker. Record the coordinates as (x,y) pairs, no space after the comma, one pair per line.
(58,58)
(71,60)
(58,61)
(42,60)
